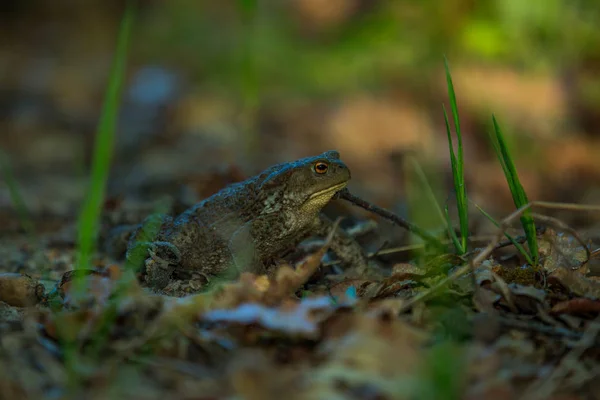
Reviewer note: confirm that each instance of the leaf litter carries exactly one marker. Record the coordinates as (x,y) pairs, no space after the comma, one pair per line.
(457,327)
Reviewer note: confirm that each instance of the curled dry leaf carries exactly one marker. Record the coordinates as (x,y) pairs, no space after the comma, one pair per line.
(20,290)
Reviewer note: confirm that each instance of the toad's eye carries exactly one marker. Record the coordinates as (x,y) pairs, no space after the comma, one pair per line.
(321,167)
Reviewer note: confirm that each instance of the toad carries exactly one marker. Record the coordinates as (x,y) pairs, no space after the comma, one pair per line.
(246,225)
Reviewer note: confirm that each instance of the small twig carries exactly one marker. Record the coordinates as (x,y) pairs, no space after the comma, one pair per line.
(503,243)
(346,195)
(420,246)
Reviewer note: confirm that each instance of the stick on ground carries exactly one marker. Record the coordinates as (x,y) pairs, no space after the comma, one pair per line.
(346,195)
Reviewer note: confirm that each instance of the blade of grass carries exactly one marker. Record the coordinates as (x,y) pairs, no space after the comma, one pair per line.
(518,193)
(101,159)
(517,245)
(135,260)
(103,147)
(457,163)
(451,232)
(248,71)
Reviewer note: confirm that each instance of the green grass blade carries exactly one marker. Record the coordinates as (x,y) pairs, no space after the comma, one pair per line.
(103,148)
(457,162)
(248,70)
(453,105)
(517,245)
(16,196)
(101,159)
(518,193)
(452,234)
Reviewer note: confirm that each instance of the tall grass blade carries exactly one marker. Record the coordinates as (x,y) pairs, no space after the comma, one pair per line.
(457,163)
(248,72)
(451,232)
(101,159)
(103,148)
(518,193)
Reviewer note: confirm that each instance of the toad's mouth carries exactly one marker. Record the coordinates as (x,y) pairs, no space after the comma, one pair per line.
(330,190)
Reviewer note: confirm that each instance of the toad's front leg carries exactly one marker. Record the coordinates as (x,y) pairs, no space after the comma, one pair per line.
(160,260)
(148,250)
(177,258)
(346,248)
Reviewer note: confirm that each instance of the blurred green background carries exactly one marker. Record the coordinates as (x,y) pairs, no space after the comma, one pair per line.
(218,90)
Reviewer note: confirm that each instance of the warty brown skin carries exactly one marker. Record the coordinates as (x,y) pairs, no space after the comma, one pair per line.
(247,224)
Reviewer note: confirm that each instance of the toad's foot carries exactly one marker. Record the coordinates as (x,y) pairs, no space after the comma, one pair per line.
(345,247)
(164,259)
(183,287)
